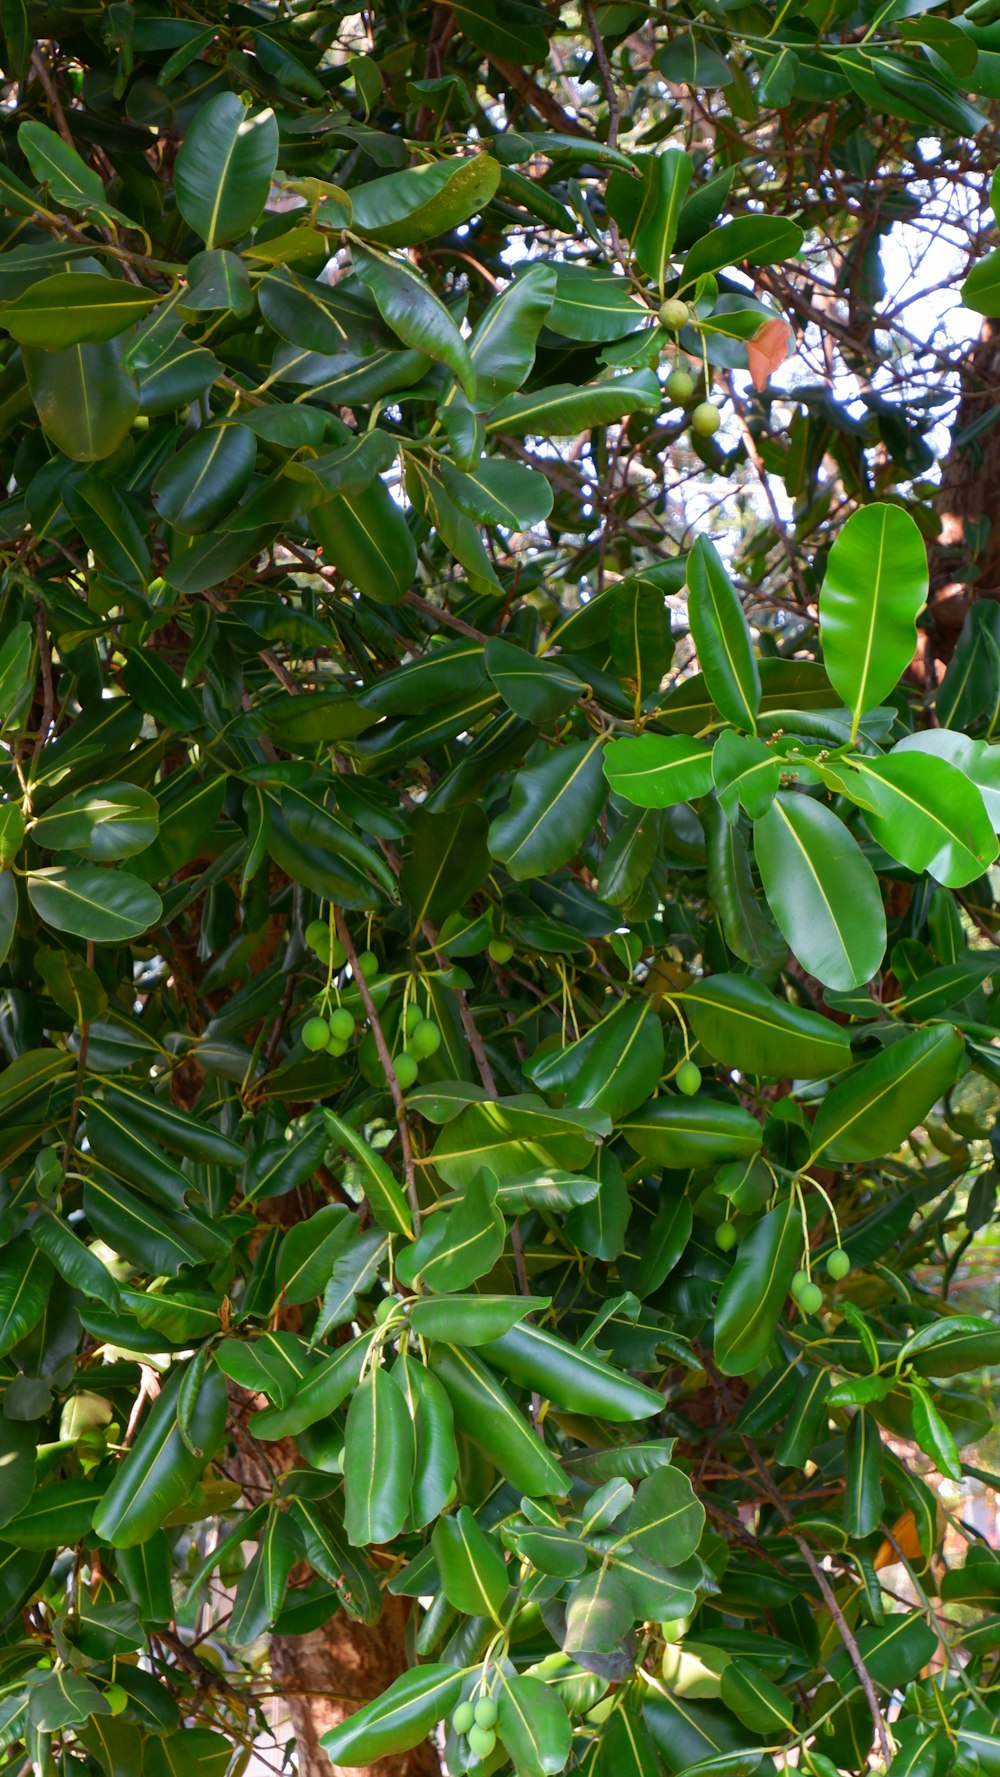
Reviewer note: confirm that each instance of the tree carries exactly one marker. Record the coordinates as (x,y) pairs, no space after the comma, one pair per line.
(496,931)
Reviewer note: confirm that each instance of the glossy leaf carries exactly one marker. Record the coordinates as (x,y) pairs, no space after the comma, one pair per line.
(821,890)
(552,805)
(874,1110)
(744,1026)
(378,1461)
(224,168)
(721,637)
(753,1294)
(873,591)
(656,771)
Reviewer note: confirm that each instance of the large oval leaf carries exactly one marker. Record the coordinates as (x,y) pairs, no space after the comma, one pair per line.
(875,1110)
(223,170)
(400,1718)
(681,1132)
(752,1296)
(929,815)
(553,806)
(873,592)
(744,1026)
(107,906)
(822,891)
(721,636)
(658,770)
(159,1472)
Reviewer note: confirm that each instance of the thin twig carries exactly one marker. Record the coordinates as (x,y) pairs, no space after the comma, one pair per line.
(48,687)
(604,70)
(55,103)
(409,1170)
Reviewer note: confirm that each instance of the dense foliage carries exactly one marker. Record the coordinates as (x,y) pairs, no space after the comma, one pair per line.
(496,935)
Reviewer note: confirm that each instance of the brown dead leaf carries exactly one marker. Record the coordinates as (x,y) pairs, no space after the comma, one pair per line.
(772,343)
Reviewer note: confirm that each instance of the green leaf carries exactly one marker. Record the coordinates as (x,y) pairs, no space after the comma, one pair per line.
(874,588)
(746,774)
(755,1701)
(415,315)
(485,1413)
(598,1614)
(658,770)
(472,1569)
(552,807)
(57,1516)
(933,1435)
(753,1294)
(104,824)
(72,308)
(85,397)
(926,813)
(435,1461)
(388,1204)
(17,1467)
(365,535)
(613,1068)
(981,290)
(862,1507)
(594,304)
(206,478)
(415,205)
(25,1277)
(262,1584)
(534,1726)
(565,409)
(502,343)
(666,1520)
(159,1470)
(223,171)
(401,1717)
(107,906)
(327,1550)
(471,1320)
(681,1132)
(667,176)
(496,492)
(576,1380)
(744,1026)
(874,1110)
(378,1461)
(187,1752)
(721,636)
(531,685)
(639,633)
(56,164)
(73,1259)
(754,240)
(464,1244)
(822,891)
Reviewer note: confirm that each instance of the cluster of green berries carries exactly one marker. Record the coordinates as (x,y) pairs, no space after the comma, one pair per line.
(680,385)
(334,1031)
(475,1722)
(808,1294)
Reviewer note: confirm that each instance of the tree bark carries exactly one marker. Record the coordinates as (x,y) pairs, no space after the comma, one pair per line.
(965,563)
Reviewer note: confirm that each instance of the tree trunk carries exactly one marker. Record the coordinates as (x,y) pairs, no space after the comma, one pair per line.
(965,557)
(328,1673)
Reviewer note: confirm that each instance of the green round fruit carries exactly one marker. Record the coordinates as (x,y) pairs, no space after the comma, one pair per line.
(838,1264)
(705,419)
(368,964)
(336,1047)
(414,1016)
(384,1309)
(425,1039)
(406,1069)
(500,950)
(315,1034)
(725,1237)
(482,1741)
(799,1282)
(674,314)
(318,938)
(486,1712)
(341,1025)
(810,1298)
(463,1718)
(680,386)
(338,954)
(688,1078)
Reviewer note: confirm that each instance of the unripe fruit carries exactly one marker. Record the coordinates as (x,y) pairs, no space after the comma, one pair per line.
(318,938)
(368,964)
(810,1298)
(338,954)
(315,1034)
(838,1264)
(463,1718)
(384,1309)
(680,386)
(414,1016)
(705,419)
(336,1047)
(500,950)
(341,1025)
(425,1039)
(482,1741)
(406,1070)
(674,314)
(688,1078)
(799,1282)
(486,1712)
(725,1237)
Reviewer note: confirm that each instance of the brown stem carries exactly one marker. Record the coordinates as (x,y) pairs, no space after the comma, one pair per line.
(55,103)
(604,70)
(409,1169)
(48,688)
